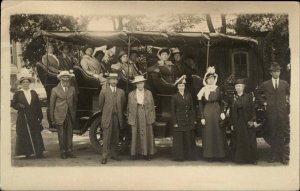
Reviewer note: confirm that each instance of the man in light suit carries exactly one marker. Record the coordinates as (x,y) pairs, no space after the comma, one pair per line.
(276,95)
(112,105)
(62,113)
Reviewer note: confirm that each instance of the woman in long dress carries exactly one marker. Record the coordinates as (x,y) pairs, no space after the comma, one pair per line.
(244,132)
(184,122)
(28,126)
(213,135)
(141,116)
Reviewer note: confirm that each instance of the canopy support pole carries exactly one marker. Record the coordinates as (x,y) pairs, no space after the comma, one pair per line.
(127,85)
(47,45)
(207,53)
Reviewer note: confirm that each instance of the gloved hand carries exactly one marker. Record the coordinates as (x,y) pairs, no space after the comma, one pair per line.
(222,116)
(203,121)
(175,125)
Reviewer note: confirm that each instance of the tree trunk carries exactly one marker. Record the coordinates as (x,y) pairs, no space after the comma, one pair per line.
(210,24)
(120,23)
(223,28)
(114,23)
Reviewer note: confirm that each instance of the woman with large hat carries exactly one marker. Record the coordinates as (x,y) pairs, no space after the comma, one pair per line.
(141,116)
(244,147)
(50,60)
(210,105)
(28,126)
(184,122)
(125,68)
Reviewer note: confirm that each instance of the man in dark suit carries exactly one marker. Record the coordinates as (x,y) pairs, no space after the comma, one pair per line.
(112,105)
(62,109)
(276,95)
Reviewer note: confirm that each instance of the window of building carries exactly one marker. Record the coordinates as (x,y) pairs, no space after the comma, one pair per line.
(240,64)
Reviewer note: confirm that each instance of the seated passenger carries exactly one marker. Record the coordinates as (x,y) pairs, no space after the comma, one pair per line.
(50,60)
(99,56)
(91,65)
(66,60)
(177,60)
(125,68)
(134,59)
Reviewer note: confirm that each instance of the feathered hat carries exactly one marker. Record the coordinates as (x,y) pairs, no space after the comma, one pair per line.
(211,72)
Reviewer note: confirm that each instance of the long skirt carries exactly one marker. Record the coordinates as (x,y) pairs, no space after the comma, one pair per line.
(29,138)
(214,141)
(244,144)
(142,142)
(184,145)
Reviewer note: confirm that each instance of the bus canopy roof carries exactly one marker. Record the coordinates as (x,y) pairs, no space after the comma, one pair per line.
(166,39)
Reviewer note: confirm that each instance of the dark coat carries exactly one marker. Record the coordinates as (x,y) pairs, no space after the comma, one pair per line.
(248,109)
(66,63)
(34,115)
(61,102)
(148,106)
(106,106)
(183,112)
(275,99)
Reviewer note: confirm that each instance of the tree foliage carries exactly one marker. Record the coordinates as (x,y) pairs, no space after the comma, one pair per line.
(23,26)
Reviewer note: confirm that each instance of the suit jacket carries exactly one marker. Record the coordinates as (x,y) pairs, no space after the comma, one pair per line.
(106,106)
(61,102)
(275,99)
(183,112)
(148,106)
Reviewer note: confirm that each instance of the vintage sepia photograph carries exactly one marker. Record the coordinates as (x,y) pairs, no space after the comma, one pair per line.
(132,87)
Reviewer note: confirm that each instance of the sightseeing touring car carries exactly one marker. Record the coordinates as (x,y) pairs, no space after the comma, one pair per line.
(232,56)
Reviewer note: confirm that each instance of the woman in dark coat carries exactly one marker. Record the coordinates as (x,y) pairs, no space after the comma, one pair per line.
(28,126)
(244,133)
(141,116)
(210,105)
(184,122)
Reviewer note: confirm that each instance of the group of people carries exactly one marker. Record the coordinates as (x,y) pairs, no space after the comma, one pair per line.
(140,113)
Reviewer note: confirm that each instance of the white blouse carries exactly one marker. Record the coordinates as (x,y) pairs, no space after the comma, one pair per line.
(27,94)
(140,96)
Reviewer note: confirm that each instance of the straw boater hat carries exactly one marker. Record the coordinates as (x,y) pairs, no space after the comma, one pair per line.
(138,79)
(25,76)
(275,66)
(65,73)
(112,76)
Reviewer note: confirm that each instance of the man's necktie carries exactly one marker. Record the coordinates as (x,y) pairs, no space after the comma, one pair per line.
(276,85)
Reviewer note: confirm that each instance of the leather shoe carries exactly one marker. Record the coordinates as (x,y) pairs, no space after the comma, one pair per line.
(273,159)
(104,161)
(71,155)
(116,158)
(40,156)
(283,161)
(63,156)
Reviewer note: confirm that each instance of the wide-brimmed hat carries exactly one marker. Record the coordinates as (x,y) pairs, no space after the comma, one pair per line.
(65,45)
(275,66)
(122,53)
(86,47)
(112,76)
(138,79)
(176,51)
(181,80)
(65,73)
(240,81)
(24,76)
(211,72)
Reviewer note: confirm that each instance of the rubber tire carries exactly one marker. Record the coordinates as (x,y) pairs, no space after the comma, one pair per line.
(95,126)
